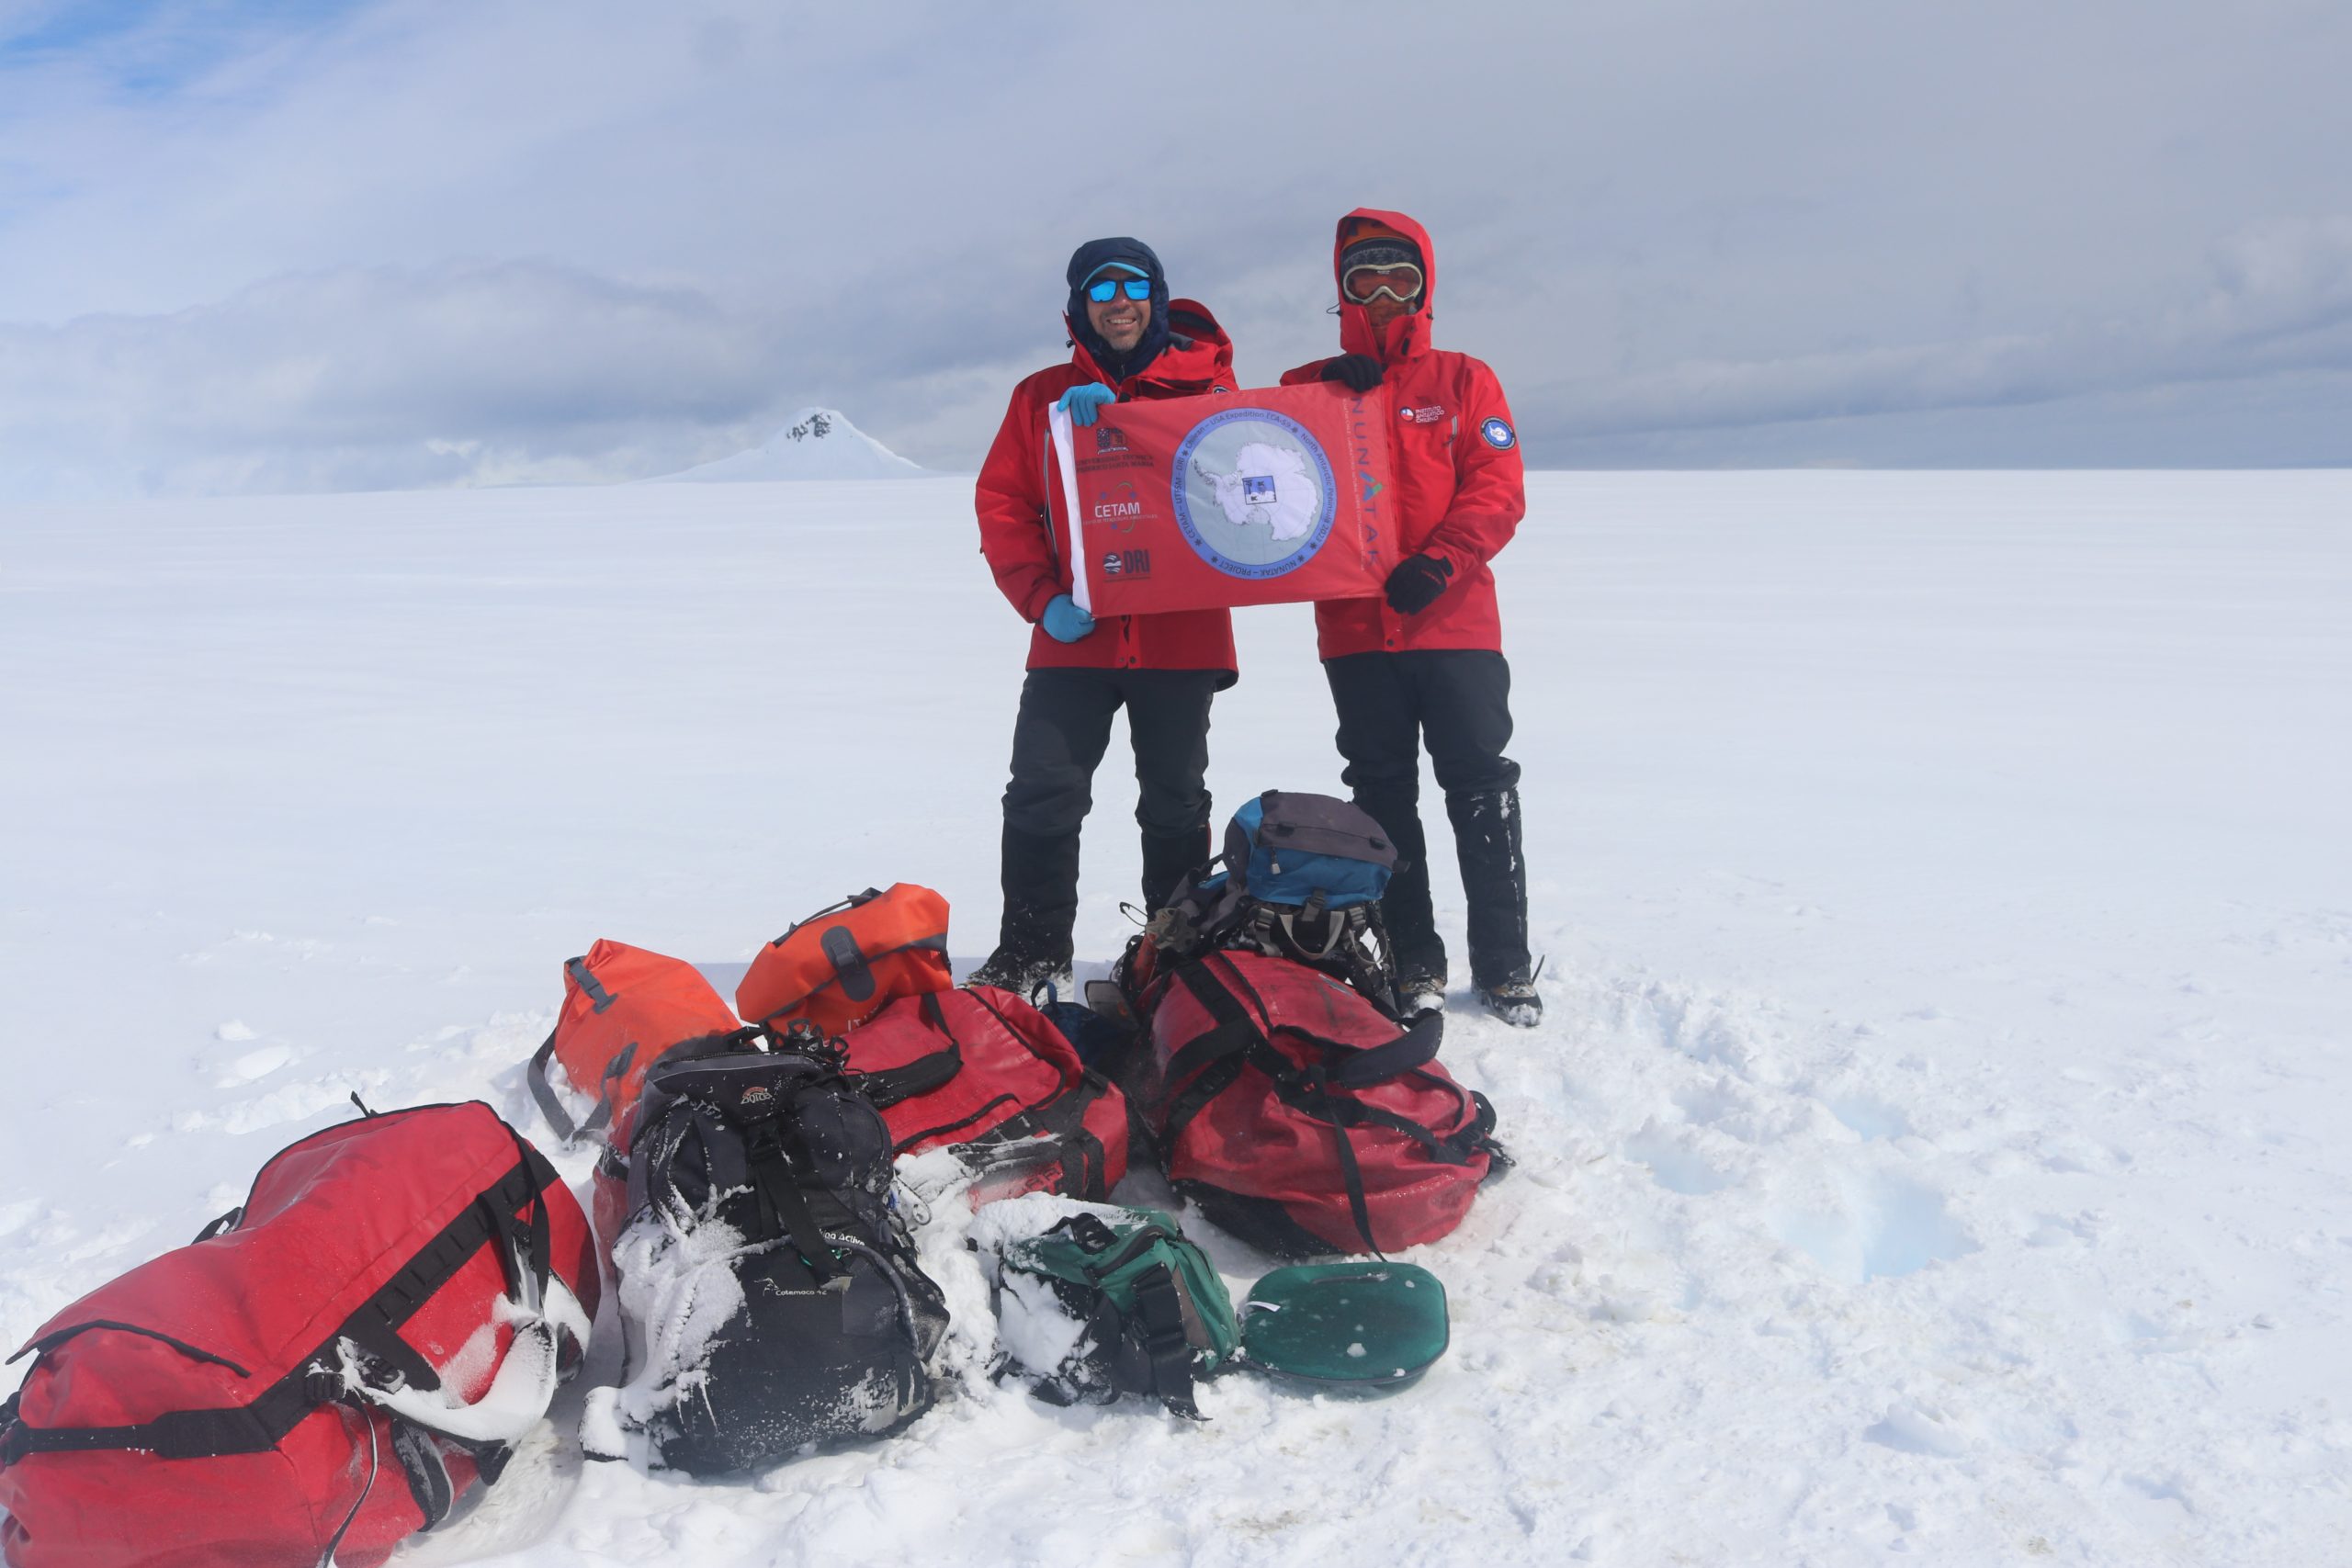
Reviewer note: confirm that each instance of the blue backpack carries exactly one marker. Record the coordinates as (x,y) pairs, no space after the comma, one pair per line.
(1298,849)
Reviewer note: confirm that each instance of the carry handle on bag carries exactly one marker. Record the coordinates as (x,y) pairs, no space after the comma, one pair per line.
(850,960)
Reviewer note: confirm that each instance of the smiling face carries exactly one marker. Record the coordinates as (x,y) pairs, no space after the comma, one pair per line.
(1121,320)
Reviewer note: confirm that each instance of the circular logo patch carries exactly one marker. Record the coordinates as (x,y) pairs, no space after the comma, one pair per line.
(1253,493)
(1498,434)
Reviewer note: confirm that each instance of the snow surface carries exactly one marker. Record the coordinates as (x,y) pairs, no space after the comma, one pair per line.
(1935,1144)
(815,444)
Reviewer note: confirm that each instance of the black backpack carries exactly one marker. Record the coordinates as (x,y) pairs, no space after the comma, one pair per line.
(760,1181)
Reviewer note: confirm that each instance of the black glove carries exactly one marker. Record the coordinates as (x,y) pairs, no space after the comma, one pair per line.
(1415,583)
(1359,371)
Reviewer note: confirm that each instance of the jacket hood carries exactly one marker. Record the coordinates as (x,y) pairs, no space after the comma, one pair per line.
(1198,356)
(1408,336)
(1084,263)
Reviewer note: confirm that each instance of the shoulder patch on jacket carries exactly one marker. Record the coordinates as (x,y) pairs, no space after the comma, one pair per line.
(1498,434)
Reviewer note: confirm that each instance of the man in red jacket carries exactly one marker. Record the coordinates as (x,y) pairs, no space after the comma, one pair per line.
(1128,340)
(1423,664)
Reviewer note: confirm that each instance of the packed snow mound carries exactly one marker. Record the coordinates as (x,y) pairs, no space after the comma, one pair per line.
(820,444)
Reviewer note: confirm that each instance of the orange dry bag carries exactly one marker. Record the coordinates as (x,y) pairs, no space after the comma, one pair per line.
(622,1007)
(846,963)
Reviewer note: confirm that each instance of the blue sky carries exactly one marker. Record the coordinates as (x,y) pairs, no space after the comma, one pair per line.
(308,245)
(155,47)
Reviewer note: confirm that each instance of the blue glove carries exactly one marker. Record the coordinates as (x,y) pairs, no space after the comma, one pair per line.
(1082,403)
(1065,622)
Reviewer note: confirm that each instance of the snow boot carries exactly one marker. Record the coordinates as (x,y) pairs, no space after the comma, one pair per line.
(1040,880)
(1486,839)
(1514,1001)
(1422,990)
(1023,973)
(1169,859)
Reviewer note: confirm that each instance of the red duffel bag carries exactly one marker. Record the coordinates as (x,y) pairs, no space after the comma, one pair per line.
(1302,1118)
(322,1373)
(983,1070)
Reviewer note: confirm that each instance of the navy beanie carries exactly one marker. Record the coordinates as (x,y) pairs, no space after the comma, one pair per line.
(1092,257)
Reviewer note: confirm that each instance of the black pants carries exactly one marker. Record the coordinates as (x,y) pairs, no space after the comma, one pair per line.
(1058,739)
(1458,703)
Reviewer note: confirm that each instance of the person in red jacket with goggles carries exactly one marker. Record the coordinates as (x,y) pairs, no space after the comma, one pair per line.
(1423,663)
(1128,340)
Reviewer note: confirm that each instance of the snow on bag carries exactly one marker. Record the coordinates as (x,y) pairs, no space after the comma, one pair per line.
(1279,495)
(1300,1117)
(846,963)
(982,1071)
(1112,1301)
(344,1362)
(768,1287)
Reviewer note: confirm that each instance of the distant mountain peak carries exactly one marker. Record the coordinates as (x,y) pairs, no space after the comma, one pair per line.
(815,444)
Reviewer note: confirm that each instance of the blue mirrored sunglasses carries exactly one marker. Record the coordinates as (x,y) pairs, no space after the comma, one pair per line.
(1105,289)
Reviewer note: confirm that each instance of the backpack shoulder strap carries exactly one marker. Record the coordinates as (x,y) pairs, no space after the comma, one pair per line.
(1159,1313)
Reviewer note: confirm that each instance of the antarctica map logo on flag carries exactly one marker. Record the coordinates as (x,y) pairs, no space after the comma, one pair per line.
(1253,493)
(1249,498)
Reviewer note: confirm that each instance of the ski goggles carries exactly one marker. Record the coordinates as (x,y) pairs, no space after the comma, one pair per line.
(1105,289)
(1400,281)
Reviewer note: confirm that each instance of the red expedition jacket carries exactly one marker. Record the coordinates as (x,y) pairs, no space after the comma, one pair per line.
(1460,482)
(1025,536)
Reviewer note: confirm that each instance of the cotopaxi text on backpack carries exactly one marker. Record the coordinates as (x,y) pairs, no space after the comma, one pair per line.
(324,1372)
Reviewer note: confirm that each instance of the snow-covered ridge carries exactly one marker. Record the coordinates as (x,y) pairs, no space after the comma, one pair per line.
(817,444)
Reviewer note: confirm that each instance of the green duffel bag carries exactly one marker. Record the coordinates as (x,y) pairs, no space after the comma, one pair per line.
(1112,1302)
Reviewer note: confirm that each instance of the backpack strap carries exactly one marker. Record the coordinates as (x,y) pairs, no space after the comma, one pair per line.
(1216,1057)
(781,1201)
(585,978)
(1159,1313)
(908,1080)
(851,902)
(1360,1067)
(550,1104)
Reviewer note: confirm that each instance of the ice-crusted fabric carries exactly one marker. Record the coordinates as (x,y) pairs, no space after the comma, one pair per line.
(769,1290)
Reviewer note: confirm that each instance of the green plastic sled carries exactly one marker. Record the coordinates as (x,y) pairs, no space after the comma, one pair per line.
(1359,1327)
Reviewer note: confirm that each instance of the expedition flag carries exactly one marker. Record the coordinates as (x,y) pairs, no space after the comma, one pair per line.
(1264,497)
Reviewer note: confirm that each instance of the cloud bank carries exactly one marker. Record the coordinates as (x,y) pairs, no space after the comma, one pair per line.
(393,244)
